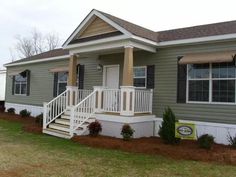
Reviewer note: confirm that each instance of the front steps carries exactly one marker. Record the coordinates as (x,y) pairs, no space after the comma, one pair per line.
(61,127)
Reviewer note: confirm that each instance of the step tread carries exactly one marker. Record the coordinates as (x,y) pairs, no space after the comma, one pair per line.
(59,125)
(57,131)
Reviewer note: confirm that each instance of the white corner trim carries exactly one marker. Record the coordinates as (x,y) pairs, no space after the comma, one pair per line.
(39,60)
(198,40)
(88,18)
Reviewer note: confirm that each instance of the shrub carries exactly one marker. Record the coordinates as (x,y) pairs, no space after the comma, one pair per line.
(167,128)
(25,113)
(205,141)
(127,132)
(95,128)
(39,119)
(2,108)
(11,110)
(232,140)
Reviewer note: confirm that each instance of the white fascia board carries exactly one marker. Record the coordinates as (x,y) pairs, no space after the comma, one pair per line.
(99,41)
(147,41)
(100,47)
(39,60)
(198,40)
(143,46)
(88,18)
(112,45)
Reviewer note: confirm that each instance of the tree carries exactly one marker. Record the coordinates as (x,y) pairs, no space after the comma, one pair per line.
(35,43)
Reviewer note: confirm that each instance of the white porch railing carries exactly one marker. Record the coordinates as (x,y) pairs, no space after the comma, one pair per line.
(143,101)
(129,100)
(62,102)
(111,100)
(82,112)
(55,108)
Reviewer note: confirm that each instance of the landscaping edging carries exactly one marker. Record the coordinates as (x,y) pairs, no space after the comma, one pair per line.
(186,150)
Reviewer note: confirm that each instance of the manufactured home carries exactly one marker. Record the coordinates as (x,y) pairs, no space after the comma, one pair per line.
(117,72)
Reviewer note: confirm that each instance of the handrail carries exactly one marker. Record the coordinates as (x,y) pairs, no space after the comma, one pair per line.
(55,108)
(81,112)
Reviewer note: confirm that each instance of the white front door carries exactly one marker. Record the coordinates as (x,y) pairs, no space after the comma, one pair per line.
(111,76)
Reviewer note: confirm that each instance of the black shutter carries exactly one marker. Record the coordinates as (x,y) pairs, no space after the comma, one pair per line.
(181,82)
(81,76)
(150,76)
(55,84)
(13,85)
(28,82)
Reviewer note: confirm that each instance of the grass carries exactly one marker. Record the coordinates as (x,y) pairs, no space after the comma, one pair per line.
(25,154)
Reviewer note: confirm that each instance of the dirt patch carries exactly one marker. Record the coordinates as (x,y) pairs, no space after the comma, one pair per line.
(29,124)
(187,150)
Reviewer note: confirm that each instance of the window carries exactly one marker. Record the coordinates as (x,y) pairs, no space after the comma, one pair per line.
(20,85)
(140,76)
(62,82)
(211,83)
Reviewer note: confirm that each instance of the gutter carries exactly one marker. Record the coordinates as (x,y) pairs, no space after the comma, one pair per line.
(39,60)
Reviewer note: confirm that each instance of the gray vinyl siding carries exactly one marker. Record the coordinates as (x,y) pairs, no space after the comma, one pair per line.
(165,61)
(41,83)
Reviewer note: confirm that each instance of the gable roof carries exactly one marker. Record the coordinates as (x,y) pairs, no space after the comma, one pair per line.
(160,36)
(45,55)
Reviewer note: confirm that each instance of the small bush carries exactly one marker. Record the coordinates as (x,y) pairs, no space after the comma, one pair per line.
(167,128)
(232,141)
(11,110)
(95,128)
(2,109)
(127,132)
(205,141)
(25,113)
(39,119)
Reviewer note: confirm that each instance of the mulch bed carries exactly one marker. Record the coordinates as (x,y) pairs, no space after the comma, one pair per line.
(186,150)
(29,124)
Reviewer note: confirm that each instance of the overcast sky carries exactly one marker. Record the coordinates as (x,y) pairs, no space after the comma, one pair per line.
(63,16)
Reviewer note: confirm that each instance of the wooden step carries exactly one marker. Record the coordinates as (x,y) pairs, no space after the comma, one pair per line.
(61,127)
(63,121)
(57,133)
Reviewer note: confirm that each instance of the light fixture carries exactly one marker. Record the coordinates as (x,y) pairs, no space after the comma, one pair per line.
(99,67)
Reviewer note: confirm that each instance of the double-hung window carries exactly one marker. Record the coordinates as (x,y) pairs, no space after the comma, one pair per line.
(62,82)
(211,83)
(20,84)
(140,76)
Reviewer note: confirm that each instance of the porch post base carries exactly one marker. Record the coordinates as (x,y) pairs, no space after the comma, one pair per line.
(98,98)
(127,100)
(72,97)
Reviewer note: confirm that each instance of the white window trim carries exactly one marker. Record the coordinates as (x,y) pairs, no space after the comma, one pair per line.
(141,77)
(20,83)
(210,88)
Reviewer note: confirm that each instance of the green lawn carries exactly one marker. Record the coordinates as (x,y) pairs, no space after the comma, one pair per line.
(24,154)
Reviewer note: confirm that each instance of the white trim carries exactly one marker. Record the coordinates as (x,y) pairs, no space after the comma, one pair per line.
(39,60)
(198,40)
(104,73)
(99,41)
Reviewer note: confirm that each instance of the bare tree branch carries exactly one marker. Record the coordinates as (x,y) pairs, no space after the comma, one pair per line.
(52,40)
(35,43)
